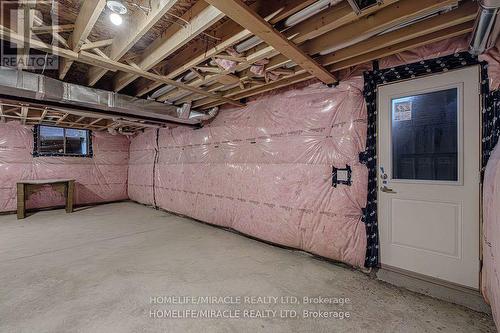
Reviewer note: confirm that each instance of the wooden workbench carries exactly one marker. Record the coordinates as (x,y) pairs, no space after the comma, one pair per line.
(27,187)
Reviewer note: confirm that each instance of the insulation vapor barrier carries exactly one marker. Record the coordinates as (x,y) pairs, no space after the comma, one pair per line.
(102,178)
(266,170)
(491,234)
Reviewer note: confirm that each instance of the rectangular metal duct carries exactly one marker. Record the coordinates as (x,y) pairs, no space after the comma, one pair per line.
(486,27)
(26,85)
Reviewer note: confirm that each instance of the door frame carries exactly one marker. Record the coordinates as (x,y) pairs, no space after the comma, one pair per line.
(437,85)
(369,157)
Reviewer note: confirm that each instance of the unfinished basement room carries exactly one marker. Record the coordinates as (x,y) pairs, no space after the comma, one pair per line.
(249,166)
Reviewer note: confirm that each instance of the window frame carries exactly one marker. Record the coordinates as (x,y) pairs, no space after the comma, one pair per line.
(36,143)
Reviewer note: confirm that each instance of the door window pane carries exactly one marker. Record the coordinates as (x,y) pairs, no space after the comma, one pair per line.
(425,136)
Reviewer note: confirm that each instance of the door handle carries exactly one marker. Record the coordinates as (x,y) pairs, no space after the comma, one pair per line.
(387,190)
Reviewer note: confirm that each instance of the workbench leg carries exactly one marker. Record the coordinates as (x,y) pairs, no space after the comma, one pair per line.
(21,202)
(70,189)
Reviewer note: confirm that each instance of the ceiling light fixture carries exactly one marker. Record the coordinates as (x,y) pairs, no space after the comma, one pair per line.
(117,9)
(115,18)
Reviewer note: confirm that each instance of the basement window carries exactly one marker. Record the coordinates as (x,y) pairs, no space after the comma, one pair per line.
(61,141)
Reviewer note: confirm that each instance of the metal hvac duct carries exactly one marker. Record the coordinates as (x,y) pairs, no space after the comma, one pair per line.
(29,86)
(486,28)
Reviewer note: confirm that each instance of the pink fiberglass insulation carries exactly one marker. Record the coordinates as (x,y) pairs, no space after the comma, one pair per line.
(143,150)
(265,170)
(101,178)
(491,234)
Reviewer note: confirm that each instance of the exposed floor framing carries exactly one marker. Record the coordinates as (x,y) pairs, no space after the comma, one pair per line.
(210,53)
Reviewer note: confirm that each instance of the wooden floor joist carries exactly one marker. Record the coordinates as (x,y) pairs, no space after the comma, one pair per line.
(273,11)
(131,33)
(248,19)
(160,41)
(387,17)
(451,32)
(173,39)
(464,13)
(95,60)
(85,21)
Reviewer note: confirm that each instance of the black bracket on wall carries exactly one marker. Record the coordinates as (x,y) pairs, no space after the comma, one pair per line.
(341,176)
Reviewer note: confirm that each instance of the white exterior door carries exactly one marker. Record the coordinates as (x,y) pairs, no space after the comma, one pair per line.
(428,186)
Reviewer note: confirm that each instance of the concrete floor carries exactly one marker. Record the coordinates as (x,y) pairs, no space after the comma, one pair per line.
(96,270)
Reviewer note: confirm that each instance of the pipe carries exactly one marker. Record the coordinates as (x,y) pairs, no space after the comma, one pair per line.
(204,116)
(486,27)
(248,44)
(30,86)
(307,12)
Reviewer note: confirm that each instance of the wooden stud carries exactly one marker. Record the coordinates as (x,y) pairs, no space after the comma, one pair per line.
(50,29)
(96,45)
(21,203)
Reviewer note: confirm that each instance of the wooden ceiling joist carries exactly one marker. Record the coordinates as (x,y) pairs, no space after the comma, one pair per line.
(464,13)
(49,29)
(108,64)
(247,18)
(437,36)
(85,21)
(96,45)
(273,11)
(391,15)
(132,32)
(24,114)
(42,117)
(174,38)
(331,18)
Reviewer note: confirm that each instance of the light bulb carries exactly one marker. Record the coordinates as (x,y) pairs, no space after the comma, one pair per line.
(115,18)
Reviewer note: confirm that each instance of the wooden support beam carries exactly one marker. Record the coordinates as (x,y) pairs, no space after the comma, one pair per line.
(131,32)
(230,57)
(50,29)
(93,122)
(42,117)
(62,118)
(77,121)
(55,34)
(242,14)
(2,118)
(174,38)
(96,45)
(85,21)
(108,64)
(24,114)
